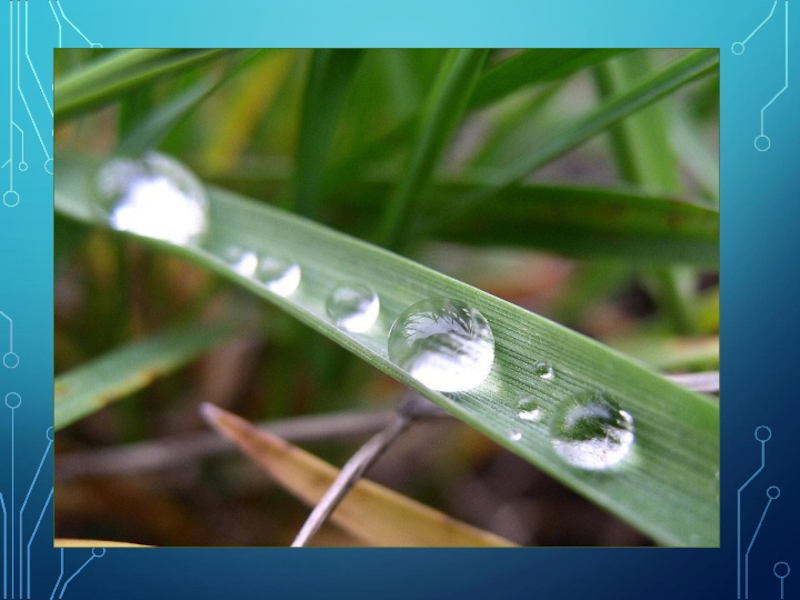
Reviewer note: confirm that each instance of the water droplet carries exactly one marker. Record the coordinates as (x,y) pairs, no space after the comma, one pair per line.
(515,436)
(445,344)
(543,370)
(353,307)
(154,196)
(280,276)
(243,262)
(591,432)
(529,410)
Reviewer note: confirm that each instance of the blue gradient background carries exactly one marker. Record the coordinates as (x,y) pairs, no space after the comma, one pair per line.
(760,243)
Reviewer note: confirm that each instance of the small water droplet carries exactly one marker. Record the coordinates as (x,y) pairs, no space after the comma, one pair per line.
(591,432)
(445,344)
(153,196)
(515,436)
(542,370)
(353,307)
(280,276)
(243,262)
(529,410)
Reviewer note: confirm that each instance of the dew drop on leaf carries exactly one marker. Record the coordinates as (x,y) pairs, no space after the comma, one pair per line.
(279,276)
(353,307)
(590,431)
(153,196)
(445,344)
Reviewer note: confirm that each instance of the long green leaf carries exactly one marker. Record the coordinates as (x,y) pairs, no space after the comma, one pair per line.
(573,221)
(528,68)
(329,79)
(645,157)
(121,372)
(113,76)
(580,222)
(443,110)
(535,65)
(617,108)
(666,487)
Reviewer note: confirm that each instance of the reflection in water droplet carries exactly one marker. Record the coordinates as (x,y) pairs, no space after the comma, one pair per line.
(591,432)
(278,275)
(353,307)
(543,370)
(243,262)
(529,410)
(445,344)
(515,436)
(153,196)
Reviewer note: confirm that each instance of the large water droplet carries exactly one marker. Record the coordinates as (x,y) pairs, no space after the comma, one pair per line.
(543,370)
(280,276)
(529,410)
(154,196)
(591,432)
(445,344)
(353,307)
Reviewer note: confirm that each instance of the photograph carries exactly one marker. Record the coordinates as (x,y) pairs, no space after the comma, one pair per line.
(386,297)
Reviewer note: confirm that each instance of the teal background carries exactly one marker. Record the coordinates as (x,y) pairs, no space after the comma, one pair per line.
(760,299)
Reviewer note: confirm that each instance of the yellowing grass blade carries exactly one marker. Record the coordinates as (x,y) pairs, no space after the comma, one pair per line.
(375,514)
(73,543)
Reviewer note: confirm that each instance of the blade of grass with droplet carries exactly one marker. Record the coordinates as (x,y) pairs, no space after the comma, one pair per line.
(112,76)
(666,488)
(329,77)
(371,512)
(113,376)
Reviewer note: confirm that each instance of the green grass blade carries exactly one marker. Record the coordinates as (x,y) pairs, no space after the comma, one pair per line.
(329,78)
(574,221)
(112,77)
(150,131)
(528,68)
(645,157)
(611,112)
(123,371)
(666,488)
(442,112)
(536,65)
(641,143)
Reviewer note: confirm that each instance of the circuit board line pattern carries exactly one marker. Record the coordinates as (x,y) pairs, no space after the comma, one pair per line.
(17,544)
(11,197)
(762,141)
(762,434)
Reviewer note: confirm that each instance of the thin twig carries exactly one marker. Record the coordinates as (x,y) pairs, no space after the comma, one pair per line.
(353,470)
(185,449)
(699,382)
